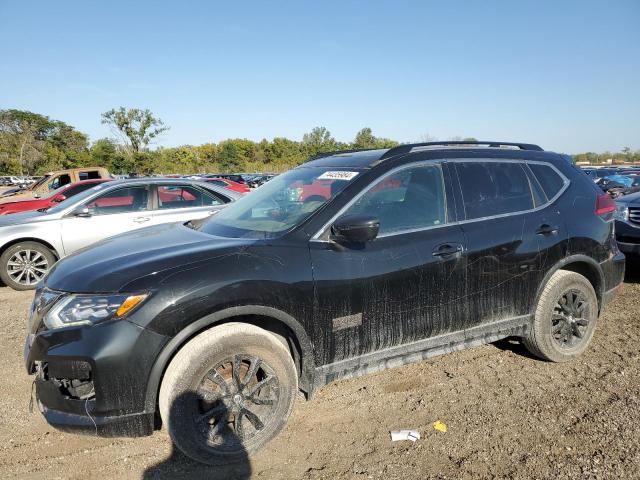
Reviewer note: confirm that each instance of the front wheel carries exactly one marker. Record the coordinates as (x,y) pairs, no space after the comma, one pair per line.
(227,392)
(565,318)
(24,264)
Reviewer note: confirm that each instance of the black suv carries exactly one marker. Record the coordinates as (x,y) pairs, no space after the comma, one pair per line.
(348,264)
(628,224)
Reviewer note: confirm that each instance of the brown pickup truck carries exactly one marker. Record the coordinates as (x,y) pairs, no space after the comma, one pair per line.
(52,181)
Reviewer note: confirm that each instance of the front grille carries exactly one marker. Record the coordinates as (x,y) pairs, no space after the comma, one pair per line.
(634,215)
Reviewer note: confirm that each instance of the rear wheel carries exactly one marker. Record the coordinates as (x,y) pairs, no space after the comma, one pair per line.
(24,264)
(228,392)
(565,318)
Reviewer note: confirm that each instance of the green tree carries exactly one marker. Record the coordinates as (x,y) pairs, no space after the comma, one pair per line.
(31,143)
(318,140)
(364,139)
(229,156)
(135,126)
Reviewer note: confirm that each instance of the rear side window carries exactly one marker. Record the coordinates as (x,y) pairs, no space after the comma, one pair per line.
(184,196)
(494,188)
(90,175)
(71,191)
(549,179)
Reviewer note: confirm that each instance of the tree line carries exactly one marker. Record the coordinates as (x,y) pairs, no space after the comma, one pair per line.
(32,144)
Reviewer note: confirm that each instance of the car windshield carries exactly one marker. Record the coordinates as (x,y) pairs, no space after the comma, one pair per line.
(76,198)
(279,205)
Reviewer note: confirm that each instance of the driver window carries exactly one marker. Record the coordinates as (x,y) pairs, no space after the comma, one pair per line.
(121,200)
(59,181)
(410,199)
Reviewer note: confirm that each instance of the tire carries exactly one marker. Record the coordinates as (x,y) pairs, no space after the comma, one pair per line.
(565,318)
(35,256)
(192,386)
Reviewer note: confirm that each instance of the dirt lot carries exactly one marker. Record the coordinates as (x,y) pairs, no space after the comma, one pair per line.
(508,416)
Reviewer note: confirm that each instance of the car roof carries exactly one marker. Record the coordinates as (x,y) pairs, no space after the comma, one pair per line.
(91,180)
(76,169)
(172,181)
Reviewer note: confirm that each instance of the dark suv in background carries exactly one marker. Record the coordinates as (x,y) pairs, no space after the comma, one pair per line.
(628,224)
(348,264)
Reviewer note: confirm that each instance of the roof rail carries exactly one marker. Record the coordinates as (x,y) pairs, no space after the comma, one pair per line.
(407,148)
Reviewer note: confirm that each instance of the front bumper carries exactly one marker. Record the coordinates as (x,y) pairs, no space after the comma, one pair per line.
(93,379)
(629,248)
(628,237)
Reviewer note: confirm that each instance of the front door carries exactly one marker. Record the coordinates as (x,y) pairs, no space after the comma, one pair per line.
(181,203)
(407,284)
(115,211)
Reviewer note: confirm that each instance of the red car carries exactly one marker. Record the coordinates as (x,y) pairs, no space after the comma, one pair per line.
(54,198)
(230,184)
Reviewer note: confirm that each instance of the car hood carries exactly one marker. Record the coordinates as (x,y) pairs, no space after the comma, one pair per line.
(631,199)
(24,202)
(17,195)
(141,258)
(23,217)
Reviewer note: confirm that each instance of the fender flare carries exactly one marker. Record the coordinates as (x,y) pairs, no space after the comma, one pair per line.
(577,258)
(307,362)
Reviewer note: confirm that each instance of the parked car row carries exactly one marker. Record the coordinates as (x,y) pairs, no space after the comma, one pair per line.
(245,180)
(622,184)
(48,201)
(345,265)
(601,172)
(616,181)
(9,181)
(52,181)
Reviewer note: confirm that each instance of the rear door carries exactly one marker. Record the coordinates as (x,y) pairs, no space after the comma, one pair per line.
(113,212)
(505,251)
(548,219)
(181,203)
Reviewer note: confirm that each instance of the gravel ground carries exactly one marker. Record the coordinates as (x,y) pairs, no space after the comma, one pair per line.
(508,416)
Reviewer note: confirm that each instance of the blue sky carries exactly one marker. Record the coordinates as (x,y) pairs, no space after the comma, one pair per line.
(564,74)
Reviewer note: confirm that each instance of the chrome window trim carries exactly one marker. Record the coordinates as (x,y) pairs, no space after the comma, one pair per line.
(566,182)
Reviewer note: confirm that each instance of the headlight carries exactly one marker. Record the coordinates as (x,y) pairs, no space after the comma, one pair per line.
(622,212)
(90,309)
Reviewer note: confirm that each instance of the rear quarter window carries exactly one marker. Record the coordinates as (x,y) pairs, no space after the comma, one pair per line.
(550,181)
(89,175)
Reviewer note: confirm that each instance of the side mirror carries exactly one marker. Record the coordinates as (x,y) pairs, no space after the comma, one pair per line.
(59,198)
(355,228)
(82,212)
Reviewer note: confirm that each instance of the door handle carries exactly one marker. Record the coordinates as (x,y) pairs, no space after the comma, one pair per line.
(545,229)
(447,249)
(141,219)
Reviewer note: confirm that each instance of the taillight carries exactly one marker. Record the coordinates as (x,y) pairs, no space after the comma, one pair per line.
(605,205)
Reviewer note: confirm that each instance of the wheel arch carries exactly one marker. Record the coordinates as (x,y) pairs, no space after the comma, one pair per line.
(268,318)
(15,241)
(585,266)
